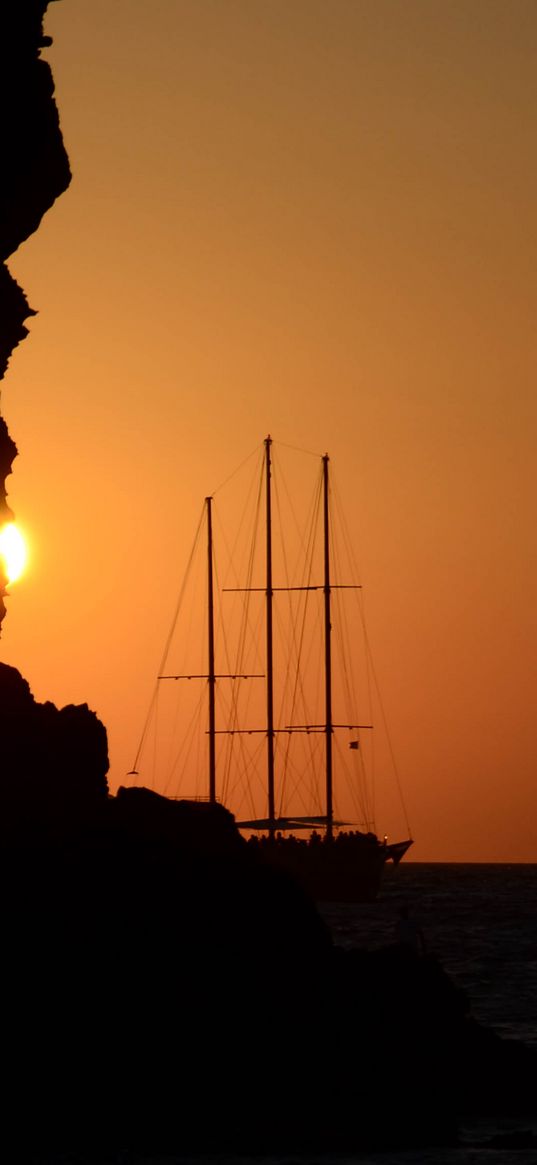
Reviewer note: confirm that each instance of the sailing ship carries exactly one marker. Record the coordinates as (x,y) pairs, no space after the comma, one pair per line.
(340,859)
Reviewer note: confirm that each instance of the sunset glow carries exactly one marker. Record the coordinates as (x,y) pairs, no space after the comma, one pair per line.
(314,220)
(13,551)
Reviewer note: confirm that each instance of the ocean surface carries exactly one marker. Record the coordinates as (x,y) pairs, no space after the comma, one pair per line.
(480,921)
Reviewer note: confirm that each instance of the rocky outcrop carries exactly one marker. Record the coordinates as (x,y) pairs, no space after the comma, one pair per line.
(53,765)
(34,172)
(167,990)
(8,452)
(35,166)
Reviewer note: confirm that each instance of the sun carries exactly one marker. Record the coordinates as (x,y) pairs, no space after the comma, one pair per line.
(13,553)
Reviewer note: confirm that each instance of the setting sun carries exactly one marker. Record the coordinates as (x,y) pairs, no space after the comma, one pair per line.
(12,551)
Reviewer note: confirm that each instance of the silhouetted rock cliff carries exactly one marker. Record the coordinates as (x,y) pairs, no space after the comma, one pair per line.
(34,171)
(8,452)
(35,166)
(166,989)
(53,764)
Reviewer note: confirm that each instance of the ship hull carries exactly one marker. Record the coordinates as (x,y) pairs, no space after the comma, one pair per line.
(347,869)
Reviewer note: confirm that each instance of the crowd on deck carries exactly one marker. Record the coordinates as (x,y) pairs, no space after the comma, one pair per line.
(347,840)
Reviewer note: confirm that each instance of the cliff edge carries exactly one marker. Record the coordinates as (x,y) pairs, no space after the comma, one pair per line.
(34,172)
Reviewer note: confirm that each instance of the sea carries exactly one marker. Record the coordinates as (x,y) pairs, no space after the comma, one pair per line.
(480,921)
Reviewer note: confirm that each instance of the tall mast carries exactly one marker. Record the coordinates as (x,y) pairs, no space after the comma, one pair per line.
(270,680)
(327,655)
(211,678)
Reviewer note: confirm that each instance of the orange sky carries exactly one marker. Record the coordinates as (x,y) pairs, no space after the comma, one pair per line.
(313,218)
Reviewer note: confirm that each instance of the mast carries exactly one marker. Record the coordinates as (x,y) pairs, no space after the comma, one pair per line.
(327,655)
(270,678)
(211,678)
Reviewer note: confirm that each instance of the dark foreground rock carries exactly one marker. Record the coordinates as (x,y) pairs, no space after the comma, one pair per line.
(35,167)
(165,990)
(34,171)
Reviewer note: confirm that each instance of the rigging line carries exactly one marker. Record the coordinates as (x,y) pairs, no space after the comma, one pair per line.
(308,744)
(299,693)
(247,605)
(242,782)
(249,575)
(368,658)
(239,706)
(286,628)
(342,638)
(293,652)
(221,631)
(388,736)
(368,775)
(361,795)
(368,808)
(280,619)
(341,642)
(155,741)
(168,762)
(243,627)
(248,514)
(369,685)
(315,615)
(344,525)
(288,692)
(181,594)
(311,796)
(297,449)
(357,788)
(245,531)
(278,616)
(223,628)
(368,781)
(303,571)
(281,484)
(236,471)
(168,643)
(133,772)
(182,753)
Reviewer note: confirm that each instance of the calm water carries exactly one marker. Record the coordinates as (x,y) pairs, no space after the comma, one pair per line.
(481,923)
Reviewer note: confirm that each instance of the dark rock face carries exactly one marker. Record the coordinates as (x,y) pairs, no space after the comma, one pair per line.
(53,764)
(36,167)
(8,452)
(34,172)
(165,990)
(14,310)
